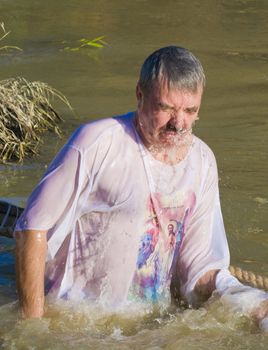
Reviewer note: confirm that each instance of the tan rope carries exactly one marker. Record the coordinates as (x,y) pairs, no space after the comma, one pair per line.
(250,278)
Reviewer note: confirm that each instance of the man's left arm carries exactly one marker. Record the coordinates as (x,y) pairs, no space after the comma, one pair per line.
(204,257)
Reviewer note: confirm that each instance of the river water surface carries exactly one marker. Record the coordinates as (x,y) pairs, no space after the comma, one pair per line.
(230,38)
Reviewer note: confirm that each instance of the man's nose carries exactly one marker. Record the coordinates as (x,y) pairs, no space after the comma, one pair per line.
(178,119)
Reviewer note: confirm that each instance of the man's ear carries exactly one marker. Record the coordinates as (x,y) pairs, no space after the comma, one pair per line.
(139,95)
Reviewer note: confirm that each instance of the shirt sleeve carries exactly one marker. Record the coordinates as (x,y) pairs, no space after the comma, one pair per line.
(238,297)
(56,192)
(205,245)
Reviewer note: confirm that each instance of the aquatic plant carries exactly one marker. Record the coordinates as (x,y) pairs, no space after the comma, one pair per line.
(26,113)
(7,48)
(85,44)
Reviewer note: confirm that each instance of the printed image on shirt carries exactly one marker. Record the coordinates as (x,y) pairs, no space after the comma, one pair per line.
(167,218)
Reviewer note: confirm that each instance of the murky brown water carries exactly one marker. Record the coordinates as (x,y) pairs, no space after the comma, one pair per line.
(230,38)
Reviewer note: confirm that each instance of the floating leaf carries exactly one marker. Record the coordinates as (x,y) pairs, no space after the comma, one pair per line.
(261,200)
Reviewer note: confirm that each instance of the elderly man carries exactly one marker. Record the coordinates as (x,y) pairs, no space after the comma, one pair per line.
(96,226)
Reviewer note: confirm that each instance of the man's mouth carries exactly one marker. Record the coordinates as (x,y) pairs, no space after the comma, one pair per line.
(173,129)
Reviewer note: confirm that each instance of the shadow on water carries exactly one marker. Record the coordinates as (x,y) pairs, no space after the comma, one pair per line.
(7,270)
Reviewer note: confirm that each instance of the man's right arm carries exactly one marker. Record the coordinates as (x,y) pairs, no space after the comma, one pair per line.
(31,248)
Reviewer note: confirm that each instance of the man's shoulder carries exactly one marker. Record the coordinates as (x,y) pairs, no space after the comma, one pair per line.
(100,130)
(204,149)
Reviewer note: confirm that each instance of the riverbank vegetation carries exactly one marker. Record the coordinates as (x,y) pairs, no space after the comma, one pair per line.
(26,112)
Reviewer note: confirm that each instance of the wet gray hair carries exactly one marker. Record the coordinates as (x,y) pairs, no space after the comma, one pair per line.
(173,65)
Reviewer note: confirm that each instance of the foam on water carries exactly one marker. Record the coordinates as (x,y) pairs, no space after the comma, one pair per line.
(70,325)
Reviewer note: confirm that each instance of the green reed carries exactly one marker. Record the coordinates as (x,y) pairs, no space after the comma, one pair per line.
(83,43)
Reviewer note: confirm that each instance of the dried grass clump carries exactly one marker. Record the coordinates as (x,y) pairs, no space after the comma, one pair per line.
(25,114)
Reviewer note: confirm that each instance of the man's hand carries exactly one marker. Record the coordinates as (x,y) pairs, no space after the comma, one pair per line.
(261,311)
(206,285)
(31,248)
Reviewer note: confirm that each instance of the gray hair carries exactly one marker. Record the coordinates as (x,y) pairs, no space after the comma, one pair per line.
(173,65)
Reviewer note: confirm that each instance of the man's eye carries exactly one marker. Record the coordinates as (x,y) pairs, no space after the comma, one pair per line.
(163,107)
(191,111)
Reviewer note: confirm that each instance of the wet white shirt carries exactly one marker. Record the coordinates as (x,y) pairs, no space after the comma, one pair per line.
(120,223)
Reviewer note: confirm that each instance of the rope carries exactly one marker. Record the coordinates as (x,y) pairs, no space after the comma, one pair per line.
(249,278)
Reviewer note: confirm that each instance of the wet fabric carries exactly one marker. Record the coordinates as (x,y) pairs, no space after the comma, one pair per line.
(240,298)
(120,223)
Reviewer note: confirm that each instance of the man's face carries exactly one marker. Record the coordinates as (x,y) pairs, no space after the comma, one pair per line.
(170,228)
(165,116)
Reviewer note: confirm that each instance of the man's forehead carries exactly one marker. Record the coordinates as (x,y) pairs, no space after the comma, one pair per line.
(177,99)
(162,89)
